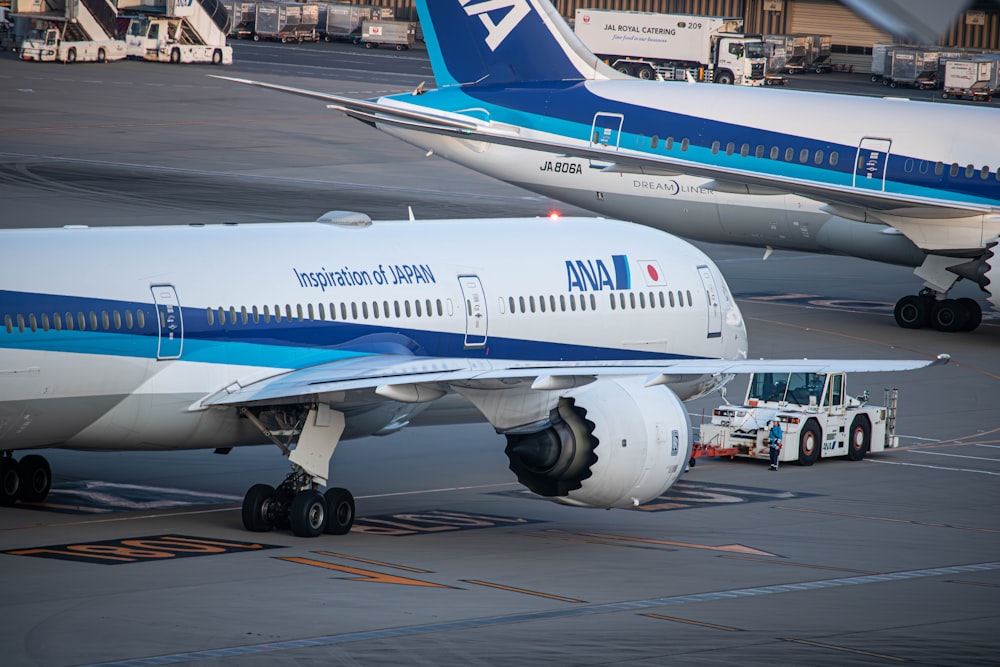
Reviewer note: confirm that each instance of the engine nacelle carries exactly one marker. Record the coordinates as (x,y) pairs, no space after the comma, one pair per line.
(613,443)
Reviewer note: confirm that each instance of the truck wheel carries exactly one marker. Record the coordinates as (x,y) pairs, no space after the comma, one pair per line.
(646,73)
(217,57)
(256,37)
(725,78)
(624,69)
(71,55)
(860,438)
(810,441)
(400,47)
(101,56)
(175,56)
(369,45)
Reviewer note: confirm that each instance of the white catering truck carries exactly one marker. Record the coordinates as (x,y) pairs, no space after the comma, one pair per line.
(817,416)
(674,46)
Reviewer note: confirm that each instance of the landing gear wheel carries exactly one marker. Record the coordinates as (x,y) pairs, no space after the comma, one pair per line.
(973,310)
(308,514)
(810,440)
(860,438)
(10,481)
(35,479)
(913,311)
(259,508)
(339,511)
(948,315)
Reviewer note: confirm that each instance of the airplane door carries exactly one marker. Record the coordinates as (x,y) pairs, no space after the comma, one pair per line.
(713,304)
(605,133)
(169,322)
(476,319)
(871,162)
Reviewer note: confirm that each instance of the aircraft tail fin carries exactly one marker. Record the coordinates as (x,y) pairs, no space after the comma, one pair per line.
(496,42)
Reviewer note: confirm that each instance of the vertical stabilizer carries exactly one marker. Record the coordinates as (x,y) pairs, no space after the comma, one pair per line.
(496,42)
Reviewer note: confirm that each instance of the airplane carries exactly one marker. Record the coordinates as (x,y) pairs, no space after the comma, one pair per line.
(577,339)
(521,99)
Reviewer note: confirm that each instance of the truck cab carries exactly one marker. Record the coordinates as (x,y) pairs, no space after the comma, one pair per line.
(739,59)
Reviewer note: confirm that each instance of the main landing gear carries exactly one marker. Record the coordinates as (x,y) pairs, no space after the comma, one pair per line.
(932,307)
(28,480)
(297,503)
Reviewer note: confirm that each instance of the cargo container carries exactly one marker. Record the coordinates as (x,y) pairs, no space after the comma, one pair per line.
(974,79)
(397,34)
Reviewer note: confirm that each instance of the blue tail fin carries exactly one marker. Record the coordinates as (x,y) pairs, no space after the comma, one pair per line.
(497,42)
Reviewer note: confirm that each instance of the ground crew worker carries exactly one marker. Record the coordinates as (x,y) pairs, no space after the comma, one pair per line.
(775,443)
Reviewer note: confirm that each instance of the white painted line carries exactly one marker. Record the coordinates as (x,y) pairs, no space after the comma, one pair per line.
(919,465)
(956,456)
(452,488)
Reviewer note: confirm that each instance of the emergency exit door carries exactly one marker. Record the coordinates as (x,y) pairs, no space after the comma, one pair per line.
(476,319)
(169,322)
(606,133)
(871,163)
(713,304)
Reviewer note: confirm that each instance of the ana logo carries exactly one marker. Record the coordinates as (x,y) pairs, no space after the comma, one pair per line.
(593,275)
(586,18)
(513,12)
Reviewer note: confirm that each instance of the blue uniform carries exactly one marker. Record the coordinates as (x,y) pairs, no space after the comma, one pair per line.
(775,436)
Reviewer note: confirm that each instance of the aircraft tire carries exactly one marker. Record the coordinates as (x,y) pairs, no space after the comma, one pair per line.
(860,438)
(35,478)
(259,505)
(10,481)
(913,312)
(974,311)
(339,511)
(810,441)
(307,514)
(947,315)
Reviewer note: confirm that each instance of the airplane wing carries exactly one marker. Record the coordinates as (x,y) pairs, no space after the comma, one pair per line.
(421,379)
(918,217)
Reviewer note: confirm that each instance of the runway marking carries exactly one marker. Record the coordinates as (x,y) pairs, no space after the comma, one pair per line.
(140,549)
(373,562)
(434,521)
(446,488)
(729,548)
(973,583)
(691,622)
(888,519)
(585,540)
(528,617)
(805,565)
(363,575)
(956,456)
(807,642)
(922,465)
(525,591)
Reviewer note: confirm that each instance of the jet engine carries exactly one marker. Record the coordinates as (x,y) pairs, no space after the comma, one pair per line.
(612,443)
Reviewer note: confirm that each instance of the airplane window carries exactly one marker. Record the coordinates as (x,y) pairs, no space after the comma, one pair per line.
(277,312)
(299,313)
(44,319)
(818,158)
(343,310)
(663,303)
(922,166)
(429,310)
(804,155)
(129,322)
(375,312)
(759,151)
(541,303)
(954,169)
(562,302)
(552,303)
(312,313)
(730,148)
(416,308)
(364,310)
(395,308)
(969,170)
(222,316)
(9,322)
(593,302)
(69,321)
(680,299)
(255,314)
(81,322)
(210,313)
(20,323)
(908,165)
(715,147)
(57,321)
(984,173)
(789,154)
(572,302)
(531,303)
(744,150)
(333,311)
(354,310)
(690,300)
(642,300)
(774,152)
(668,143)
(631,300)
(116,317)
(621,300)
(684,144)
(141,319)
(520,301)
(385,309)
(652,300)
(32,322)
(513,308)
(998,173)
(406,307)
(834,159)
(440,308)
(938,168)
(654,141)
(612,301)
(93,321)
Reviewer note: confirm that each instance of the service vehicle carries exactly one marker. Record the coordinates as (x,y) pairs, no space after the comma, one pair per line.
(342,22)
(243,18)
(818,417)
(974,79)
(809,53)
(170,40)
(287,22)
(674,47)
(78,31)
(398,34)
(912,66)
